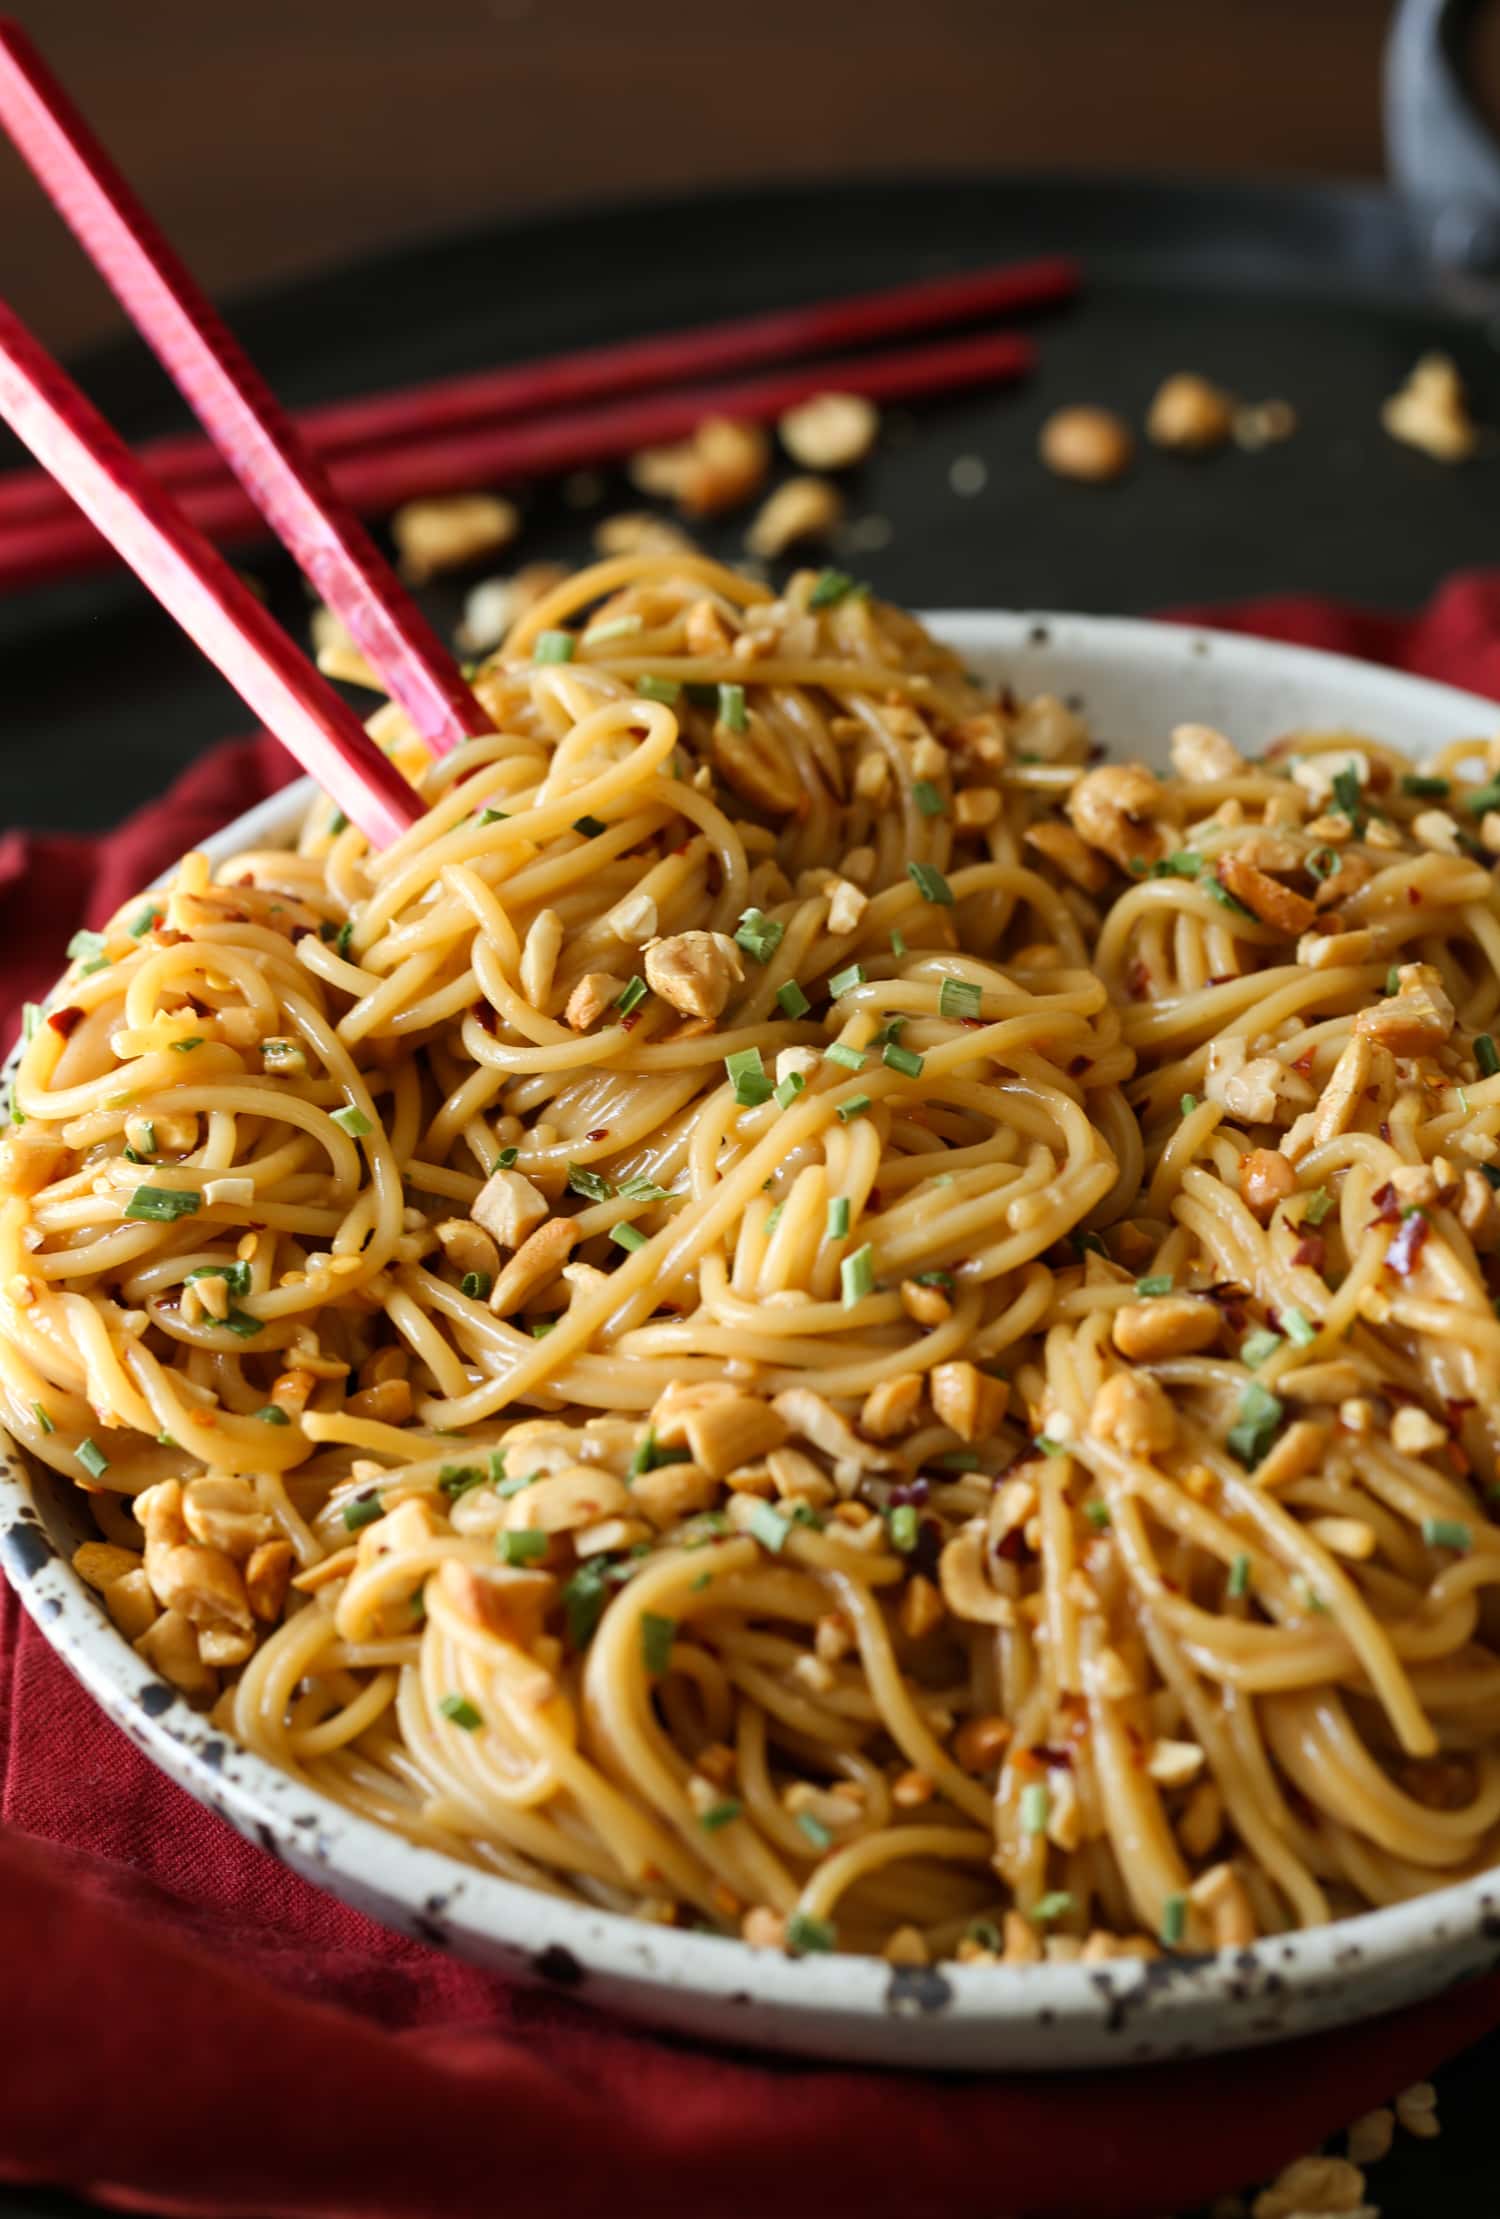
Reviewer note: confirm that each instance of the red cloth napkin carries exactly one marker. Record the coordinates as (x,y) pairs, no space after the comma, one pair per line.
(191,2029)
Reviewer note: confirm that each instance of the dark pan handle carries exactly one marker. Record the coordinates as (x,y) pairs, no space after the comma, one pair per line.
(1444,159)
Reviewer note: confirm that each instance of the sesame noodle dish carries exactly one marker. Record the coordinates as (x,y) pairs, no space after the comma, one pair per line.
(813,1311)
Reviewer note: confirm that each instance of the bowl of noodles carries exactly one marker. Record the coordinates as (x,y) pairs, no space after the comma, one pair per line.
(825,1361)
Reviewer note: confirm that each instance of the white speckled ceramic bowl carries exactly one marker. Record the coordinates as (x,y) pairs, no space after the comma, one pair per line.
(1134,681)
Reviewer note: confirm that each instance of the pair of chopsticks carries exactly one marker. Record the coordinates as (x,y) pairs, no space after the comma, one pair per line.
(258,462)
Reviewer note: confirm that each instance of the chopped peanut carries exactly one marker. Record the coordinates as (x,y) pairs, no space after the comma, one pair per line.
(267,1577)
(1116,809)
(509,1207)
(722,465)
(1062,847)
(170,1647)
(980,1743)
(1132,1410)
(830,431)
(436,535)
(921,1609)
(1266,1178)
(925,1305)
(1431,411)
(1204,755)
(1300,1450)
(974,807)
(726,1434)
(910,1790)
(595,992)
(694,971)
(131,1604)
(891,1408)
(224,1514)
(967,1400)
(538,1259)
(1265,897)
(1167,1325)
(1311,2185)
(99,1564)
(672,1492)
(1417,1019)
(1090,444)
(759,766)
(846,905)
(539,954)
(1326,951)
(1189,414)
(1414,1432)
(803,508)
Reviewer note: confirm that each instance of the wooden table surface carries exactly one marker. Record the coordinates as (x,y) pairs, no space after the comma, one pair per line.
(274,137)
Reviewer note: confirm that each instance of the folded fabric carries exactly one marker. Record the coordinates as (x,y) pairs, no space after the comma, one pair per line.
(193,2029)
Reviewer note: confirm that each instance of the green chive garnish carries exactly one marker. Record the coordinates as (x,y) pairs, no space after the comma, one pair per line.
(657,1636)
(1173,1920)
(1257,1346)
(659,689)
(904,1060)
(1299,1330)
(592,1185)
(1447,1533)
(901,1526)
(786,1090)
(759,935)
(852,1059)
(362,1510)
(844,982)
(1486,1055)
(628,1237)
(732,708)
(1260,1414)
(1036,1808)
(768,1526)
(830,586)
(268,1414)
(461,1479)
(39,1412)
(898,943)
(816,1832)
(1425,789)
(1319,1203)
(838,1217)
(927,798)
(353,1121)
(1097,1514)
(477,1285)
(590,827)
(719,1814)
(461,1712)
(930,884)
(747,1075)
(553,647)
(1188,1104)
(523,1545)
(1160,1284)
(791,1000)
(1239,1576)
(856,1106)
(1053,1906)
(857,1275)
(806,1937)
(163,1205)
(631,995)
(959,998)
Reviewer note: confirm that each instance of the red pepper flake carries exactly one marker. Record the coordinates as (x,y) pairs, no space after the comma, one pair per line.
(1012,1548)
(1079,1065)
(1414,896)
(1407,1244)
(1304,1063)
(1311,1250)
(975,1024)
(1222,978)
(600,1132)
(1026,1761)
(1459,1460)
(630,1020)
(65,1020)
(1138,979)
(1456,1407)
(1387,1208)
(1052,1753)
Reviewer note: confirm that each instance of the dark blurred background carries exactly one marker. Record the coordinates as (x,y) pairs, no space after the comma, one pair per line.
(275,137)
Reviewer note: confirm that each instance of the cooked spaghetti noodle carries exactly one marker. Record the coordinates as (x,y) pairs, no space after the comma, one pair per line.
(802,1313)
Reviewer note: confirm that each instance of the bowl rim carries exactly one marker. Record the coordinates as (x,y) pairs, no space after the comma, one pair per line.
(445,1902)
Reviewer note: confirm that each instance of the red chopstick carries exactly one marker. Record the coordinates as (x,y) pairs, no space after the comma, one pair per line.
(610,373)
(456,461)
(70,438)
(258,441)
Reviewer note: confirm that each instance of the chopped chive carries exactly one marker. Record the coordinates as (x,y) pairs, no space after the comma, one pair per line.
(1173,1920)
(584,1597)
(642,1189)
(461,1479)
(183,1047)
(807,1937)
(747,1075)
(590,827)
(1482,799)
(507,1489)
(85,946)
(1097,1514)
(506,1158)
(930,883)
(786,1090)
(1348,799)
(522,1545)
(1188,1104)
(1323,862)
(659,689)
(856,1106)
(353,1121)
(657,1636)
(147,921)
(236,1276)
(904,1060)
(1299,1330)
(631,995)
(1319,1203)
(719,1814)
(791,1000)
(497,1464)
(1161,1283)
(241,1322)
(541,1327)
(732,708)
(830,586)
(39,1412)
(618,628)
(759,935)
(1256,1347)
(857,1275)
(553,647)
(31,1017)
(476,1285)
(1393,980)
(163,1205)
(838,1218)
(957,1460)
(959,998)
(1036,1807)
(362,1510)
(844,982)
(927,798)
(461,1712)
(1184,864)
(1053,1906)
(943,1279)
(148,1137)
(767,1525)
(268,1414)
(1447,1533)
(1220,893)
(628,1237)
(1486,1055)
(592,1185)
(1239,1576)
(984,1934)
(898,943)
(1260,1413)
(852,1059)
(337,823)
(1426,789)
(816,1832)
(901,1526)
(488,817)
(1049,1445)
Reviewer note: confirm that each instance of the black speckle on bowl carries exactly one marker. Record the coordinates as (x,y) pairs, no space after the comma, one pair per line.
(1039,636)
(26,1549)
(155,1697)
(559,1966)
(436,1905)
(212,1753)
(915,1991)
(430,1931)
(51,1608)
(265,1835)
